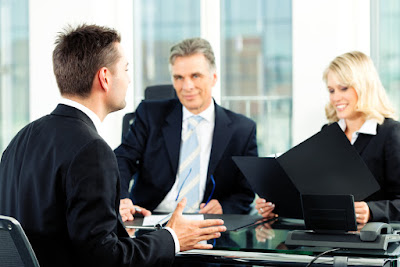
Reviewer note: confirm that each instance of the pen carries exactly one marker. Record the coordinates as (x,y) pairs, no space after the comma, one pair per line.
(160,224)
(212,191)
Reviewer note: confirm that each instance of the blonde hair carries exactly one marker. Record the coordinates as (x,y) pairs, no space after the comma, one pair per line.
(356,70)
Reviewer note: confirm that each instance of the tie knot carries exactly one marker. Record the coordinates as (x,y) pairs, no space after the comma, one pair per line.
(194,121)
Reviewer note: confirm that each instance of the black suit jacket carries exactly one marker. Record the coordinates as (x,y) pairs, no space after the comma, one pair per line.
(60,179)
(150,153)
(381,153)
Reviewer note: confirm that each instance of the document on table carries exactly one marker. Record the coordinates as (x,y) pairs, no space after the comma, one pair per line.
(153,220)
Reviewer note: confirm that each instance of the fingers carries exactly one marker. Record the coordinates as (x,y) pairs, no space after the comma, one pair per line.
(362,212)
(143,211)
(203,246)
(264,233)
(131,231)
(181,206)
(260,200)
(208,223)
(264,208)
(213,207)
(126,216)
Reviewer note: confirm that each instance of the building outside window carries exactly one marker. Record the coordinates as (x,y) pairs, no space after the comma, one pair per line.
(14,68)
(385,46)
(257,67)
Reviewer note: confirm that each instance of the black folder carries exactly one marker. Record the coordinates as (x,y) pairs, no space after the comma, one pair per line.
(327,164)
(269,181)
(324,164)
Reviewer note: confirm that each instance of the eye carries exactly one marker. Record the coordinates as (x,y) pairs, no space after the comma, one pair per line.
(196,76)
(331,91)
(344,88)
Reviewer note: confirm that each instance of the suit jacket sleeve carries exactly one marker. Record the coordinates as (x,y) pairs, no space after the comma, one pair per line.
(388,209)
(129,153)
(239,202)
(94,227)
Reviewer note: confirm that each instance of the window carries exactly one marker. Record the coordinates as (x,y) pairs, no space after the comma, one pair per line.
(14,68)
(385,45)
(257,67)
(162,24)
(256,57)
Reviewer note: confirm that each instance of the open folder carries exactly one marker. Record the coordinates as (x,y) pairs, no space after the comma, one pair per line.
(324,164)
(269,181)
(327,164)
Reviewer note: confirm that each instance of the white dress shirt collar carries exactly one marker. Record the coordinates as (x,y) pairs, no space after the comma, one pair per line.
(208,114)
(369,127)
(95,119)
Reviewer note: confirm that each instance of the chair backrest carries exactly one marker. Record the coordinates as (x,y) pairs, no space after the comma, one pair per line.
(155,92)
(15,249)
(164,91)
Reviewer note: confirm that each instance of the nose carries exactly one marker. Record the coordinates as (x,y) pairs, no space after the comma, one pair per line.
(188,84)
(335,96)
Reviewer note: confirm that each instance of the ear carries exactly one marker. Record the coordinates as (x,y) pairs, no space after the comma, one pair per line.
(215,78)
(104,76)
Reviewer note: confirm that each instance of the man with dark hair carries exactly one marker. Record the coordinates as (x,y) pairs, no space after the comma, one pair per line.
(60,179)
(156,152)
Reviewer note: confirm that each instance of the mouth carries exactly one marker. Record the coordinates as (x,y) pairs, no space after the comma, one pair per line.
(189,97)
(341,107)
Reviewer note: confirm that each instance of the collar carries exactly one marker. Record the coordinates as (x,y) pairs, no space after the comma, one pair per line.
(208,114)
(95,119)
(369,127)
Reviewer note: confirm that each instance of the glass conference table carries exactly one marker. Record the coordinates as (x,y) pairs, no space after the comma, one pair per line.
(263,244)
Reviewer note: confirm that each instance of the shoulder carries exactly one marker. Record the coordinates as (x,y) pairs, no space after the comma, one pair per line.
(389,132)
(389,126)
(158,106)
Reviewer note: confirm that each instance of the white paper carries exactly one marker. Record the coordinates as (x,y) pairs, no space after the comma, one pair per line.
(154,219)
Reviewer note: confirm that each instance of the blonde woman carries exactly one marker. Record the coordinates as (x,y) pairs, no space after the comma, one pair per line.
(359,104)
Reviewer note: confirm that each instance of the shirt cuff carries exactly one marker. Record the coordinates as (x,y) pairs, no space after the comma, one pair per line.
(175,237)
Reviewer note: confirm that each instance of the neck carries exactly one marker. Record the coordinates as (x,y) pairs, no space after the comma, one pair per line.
(91,104)
(353,125)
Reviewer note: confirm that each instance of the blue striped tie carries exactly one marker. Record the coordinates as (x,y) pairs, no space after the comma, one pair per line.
(189,166)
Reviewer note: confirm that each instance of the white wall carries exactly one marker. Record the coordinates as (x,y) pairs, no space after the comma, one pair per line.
(47,18)
(322,30)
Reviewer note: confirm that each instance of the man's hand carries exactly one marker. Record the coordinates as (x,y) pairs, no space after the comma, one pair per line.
(363,214)
(190,232)
(265,208)
(213,207)
(127,209)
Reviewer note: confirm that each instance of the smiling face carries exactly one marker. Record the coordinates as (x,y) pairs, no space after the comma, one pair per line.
(342,98)
(193,81)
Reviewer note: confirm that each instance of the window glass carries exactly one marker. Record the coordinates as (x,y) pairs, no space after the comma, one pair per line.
(14,68)
(256,48)
(163,23)
(385,39)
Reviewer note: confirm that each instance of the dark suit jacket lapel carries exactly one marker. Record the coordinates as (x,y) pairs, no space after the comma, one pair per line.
(362,142)
(221,138)
(172,135)
(68,111)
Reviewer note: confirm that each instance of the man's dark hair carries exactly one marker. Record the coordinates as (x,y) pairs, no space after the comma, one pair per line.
(80,53)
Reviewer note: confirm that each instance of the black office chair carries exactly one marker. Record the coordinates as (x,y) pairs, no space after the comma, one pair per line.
(155,92)
(15,249)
